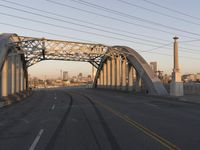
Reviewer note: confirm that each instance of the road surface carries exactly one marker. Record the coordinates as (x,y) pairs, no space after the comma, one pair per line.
(91,119)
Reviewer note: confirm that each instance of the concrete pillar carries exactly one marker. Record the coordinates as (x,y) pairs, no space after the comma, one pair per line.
(113,73)
(118,73)
(130,78)
(101,78)
(124,87)
(108,73)
(13,72)
(98,81)
(176,64)
(25,89)
(105,74)
(21,78)
(17,74)
(4,79)
(176,86)
(138,82)
(93,73)
(9,75)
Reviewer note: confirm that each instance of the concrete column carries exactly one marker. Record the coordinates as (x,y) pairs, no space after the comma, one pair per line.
(98,82)
(101,78)
(124,87)
(176,65)
(25,84)
(138,82)
(13,68)
(4,79)
(176,86)
(109,73)
(17,74)
(9,75)
(105,74)
(21,78)
(113,73)
(118,73)
(130,77)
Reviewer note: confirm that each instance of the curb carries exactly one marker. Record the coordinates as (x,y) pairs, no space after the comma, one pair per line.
(177,99)
(12,99)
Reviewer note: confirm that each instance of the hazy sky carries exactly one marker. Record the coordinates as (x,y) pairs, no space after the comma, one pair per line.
(139,24)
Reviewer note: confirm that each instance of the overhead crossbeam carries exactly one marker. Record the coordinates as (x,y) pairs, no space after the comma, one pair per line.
(38,49)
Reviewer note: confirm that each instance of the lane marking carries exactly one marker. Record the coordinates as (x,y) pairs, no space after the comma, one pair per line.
(55,97)
(151,104)
(26,121)
(34,144)
(53,107)
(140,127)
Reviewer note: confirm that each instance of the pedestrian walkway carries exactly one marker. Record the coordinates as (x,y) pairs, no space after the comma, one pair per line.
(195,98)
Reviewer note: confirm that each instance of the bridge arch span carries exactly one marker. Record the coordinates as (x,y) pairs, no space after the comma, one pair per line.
(118,67)
(13,71)
(127,65)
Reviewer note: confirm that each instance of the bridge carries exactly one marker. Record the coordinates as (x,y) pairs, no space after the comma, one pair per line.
(91,119)
(118,67)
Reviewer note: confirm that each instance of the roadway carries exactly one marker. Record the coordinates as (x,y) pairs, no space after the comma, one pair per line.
(91,119)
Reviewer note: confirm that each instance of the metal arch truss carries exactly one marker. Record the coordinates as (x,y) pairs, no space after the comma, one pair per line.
(38,49)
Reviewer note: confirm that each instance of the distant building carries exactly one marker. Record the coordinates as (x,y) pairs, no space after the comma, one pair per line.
(191,77)
(80,76)
(153,66)
(65,76)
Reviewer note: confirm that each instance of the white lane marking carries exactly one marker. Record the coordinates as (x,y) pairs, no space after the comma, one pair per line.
(53,107)
(36,139)
(151,105)
(55,97)
(26,121)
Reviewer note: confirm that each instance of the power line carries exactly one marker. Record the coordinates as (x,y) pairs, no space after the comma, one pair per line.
(172,10)
(41,31)
(157,47)
(157,12)
(49,33)
(77,24)
(77,30)
(164,54)
(83,21)
(80,25)
(67,22)
(116,19)
(131,16)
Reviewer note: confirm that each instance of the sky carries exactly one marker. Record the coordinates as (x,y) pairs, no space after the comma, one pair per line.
(147,26)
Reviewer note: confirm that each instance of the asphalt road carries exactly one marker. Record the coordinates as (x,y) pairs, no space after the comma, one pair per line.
(91,119)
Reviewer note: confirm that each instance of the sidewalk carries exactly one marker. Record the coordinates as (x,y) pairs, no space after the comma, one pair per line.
(194,98)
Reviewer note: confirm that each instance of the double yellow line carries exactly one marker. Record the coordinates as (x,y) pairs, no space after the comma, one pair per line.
(137,125)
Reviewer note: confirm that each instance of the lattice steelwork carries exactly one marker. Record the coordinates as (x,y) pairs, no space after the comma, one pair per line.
(36,50)
(115,65)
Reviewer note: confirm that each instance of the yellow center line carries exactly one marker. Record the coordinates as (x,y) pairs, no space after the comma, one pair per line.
(139,126)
